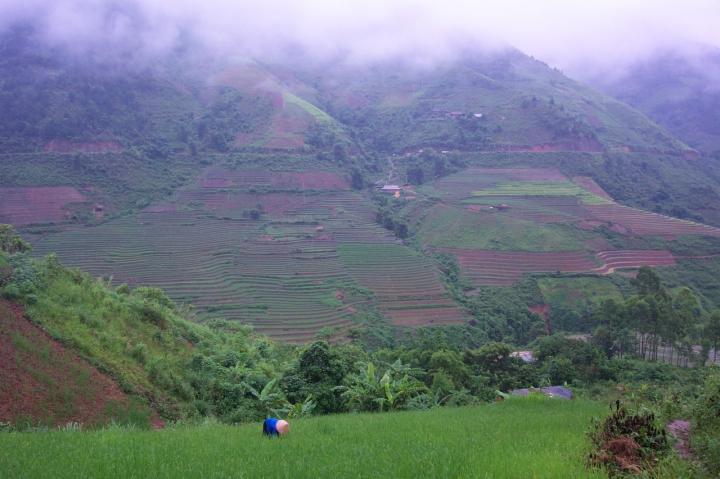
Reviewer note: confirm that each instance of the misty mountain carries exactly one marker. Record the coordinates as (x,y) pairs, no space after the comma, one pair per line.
(138,130)
(506,101)
(680,90)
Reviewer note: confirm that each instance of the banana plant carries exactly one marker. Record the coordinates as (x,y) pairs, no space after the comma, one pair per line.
(300,409)
(368,390)
(270,398)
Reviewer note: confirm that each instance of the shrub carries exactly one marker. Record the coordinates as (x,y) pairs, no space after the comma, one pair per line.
(11,292)
(139,352)
(152,314)
(706,425)
(625,442)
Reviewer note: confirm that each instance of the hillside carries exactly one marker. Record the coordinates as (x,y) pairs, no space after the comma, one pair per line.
(244,188)
(505,101)
(78,350)
(47,383)
(678,90)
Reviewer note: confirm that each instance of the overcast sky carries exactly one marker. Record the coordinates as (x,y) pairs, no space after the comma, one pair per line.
(574,35)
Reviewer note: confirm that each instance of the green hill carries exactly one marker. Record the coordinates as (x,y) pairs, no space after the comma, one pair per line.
(677,89)
(243,187)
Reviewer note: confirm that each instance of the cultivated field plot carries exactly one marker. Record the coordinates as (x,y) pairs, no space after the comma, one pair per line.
(261,248)
(503,223)
(633,259)
(407,284)
(282,180)
(23,206)
(644,223)
(463,184)
(516,438)
(503,268)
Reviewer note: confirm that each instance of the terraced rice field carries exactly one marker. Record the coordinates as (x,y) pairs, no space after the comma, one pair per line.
(309,180)
(283,272)
(542,209)
(506,223)
(644,223)
(541,189)
(633,259)
(503,268)
(24,206)
(407,284)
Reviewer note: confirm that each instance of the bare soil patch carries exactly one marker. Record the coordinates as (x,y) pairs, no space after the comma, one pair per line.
(27,205)
(680,430)
(67,146)
(42,381)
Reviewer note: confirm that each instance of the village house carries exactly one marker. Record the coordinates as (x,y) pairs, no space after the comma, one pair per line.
(391,189)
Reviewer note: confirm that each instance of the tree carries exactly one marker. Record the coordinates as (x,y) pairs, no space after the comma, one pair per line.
(712,331)
(681,323)
(339,153)
(318,372)
(415,175)
(450,363)
(647,281)
(613,334)
(496,361)
(356,180)
(11,242)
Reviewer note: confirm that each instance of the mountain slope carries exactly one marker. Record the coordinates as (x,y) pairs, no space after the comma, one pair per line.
(243,187)
(679,90)
(504,101)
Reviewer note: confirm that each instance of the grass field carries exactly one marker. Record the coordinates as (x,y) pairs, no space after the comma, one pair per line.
(576,292)
(528,438)
(528,188)
(447,226)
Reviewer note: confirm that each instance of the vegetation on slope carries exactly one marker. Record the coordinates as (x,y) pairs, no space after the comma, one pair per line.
(677,90)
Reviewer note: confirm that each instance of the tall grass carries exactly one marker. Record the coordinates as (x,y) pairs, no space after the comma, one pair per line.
(519,438)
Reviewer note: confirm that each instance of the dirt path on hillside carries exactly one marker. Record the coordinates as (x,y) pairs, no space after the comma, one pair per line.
(680,430)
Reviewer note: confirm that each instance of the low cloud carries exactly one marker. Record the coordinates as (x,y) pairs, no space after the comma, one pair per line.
(576,36)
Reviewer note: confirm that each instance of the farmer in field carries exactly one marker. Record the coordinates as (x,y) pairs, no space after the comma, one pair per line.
(275,427)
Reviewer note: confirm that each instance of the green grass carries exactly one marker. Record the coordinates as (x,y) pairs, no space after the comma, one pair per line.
(305,105)
(517,438)
(573,293)
(527,188)
(459,228)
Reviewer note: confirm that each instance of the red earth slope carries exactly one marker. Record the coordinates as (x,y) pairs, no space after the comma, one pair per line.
(42,382)
(42,204)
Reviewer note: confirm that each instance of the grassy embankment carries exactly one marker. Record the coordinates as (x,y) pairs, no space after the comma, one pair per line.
(516,438)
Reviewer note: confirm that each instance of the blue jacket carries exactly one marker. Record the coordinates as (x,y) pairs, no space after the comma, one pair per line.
(270,426)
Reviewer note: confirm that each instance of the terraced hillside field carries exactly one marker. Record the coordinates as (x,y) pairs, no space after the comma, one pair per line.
(272,249)
(406,283)
(502,223)
(23,206)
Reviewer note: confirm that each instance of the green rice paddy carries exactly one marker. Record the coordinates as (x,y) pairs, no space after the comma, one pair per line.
(529,188)
(528,438)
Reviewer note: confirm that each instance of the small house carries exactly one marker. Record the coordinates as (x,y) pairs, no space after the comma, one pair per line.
(390,189)
(525,356)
